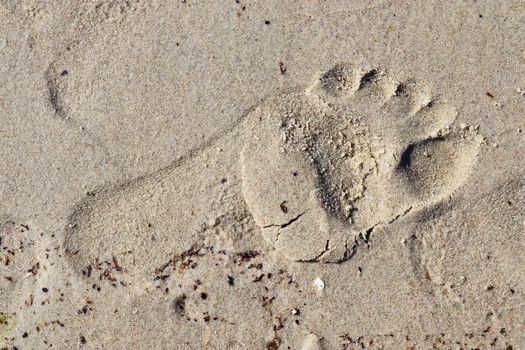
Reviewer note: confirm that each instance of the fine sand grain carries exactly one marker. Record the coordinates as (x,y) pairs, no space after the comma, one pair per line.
(269,175)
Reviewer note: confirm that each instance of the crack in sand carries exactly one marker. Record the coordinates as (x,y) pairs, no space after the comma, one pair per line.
(370,230)
(288,223)
(362,237)
(319,256)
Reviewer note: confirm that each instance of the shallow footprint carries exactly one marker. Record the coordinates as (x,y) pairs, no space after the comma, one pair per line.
(473,262)
(123,235)
(321,168)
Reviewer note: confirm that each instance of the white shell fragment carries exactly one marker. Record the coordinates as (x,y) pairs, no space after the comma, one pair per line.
(319,284)
(311,342)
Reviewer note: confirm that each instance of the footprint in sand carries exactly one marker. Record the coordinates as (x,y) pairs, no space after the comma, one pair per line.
(318,170)
(323,167)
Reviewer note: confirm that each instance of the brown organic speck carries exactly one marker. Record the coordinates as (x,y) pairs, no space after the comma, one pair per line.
(273,344)
(282,68)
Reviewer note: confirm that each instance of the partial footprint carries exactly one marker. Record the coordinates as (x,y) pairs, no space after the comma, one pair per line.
(464,257)
(321,168)
(123,235)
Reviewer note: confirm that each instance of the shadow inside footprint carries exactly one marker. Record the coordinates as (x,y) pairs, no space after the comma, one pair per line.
(435,167)
(405,162)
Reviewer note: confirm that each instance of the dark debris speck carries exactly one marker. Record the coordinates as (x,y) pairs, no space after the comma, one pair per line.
(231,280)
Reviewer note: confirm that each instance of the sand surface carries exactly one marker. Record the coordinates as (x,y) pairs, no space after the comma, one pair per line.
(262,174)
